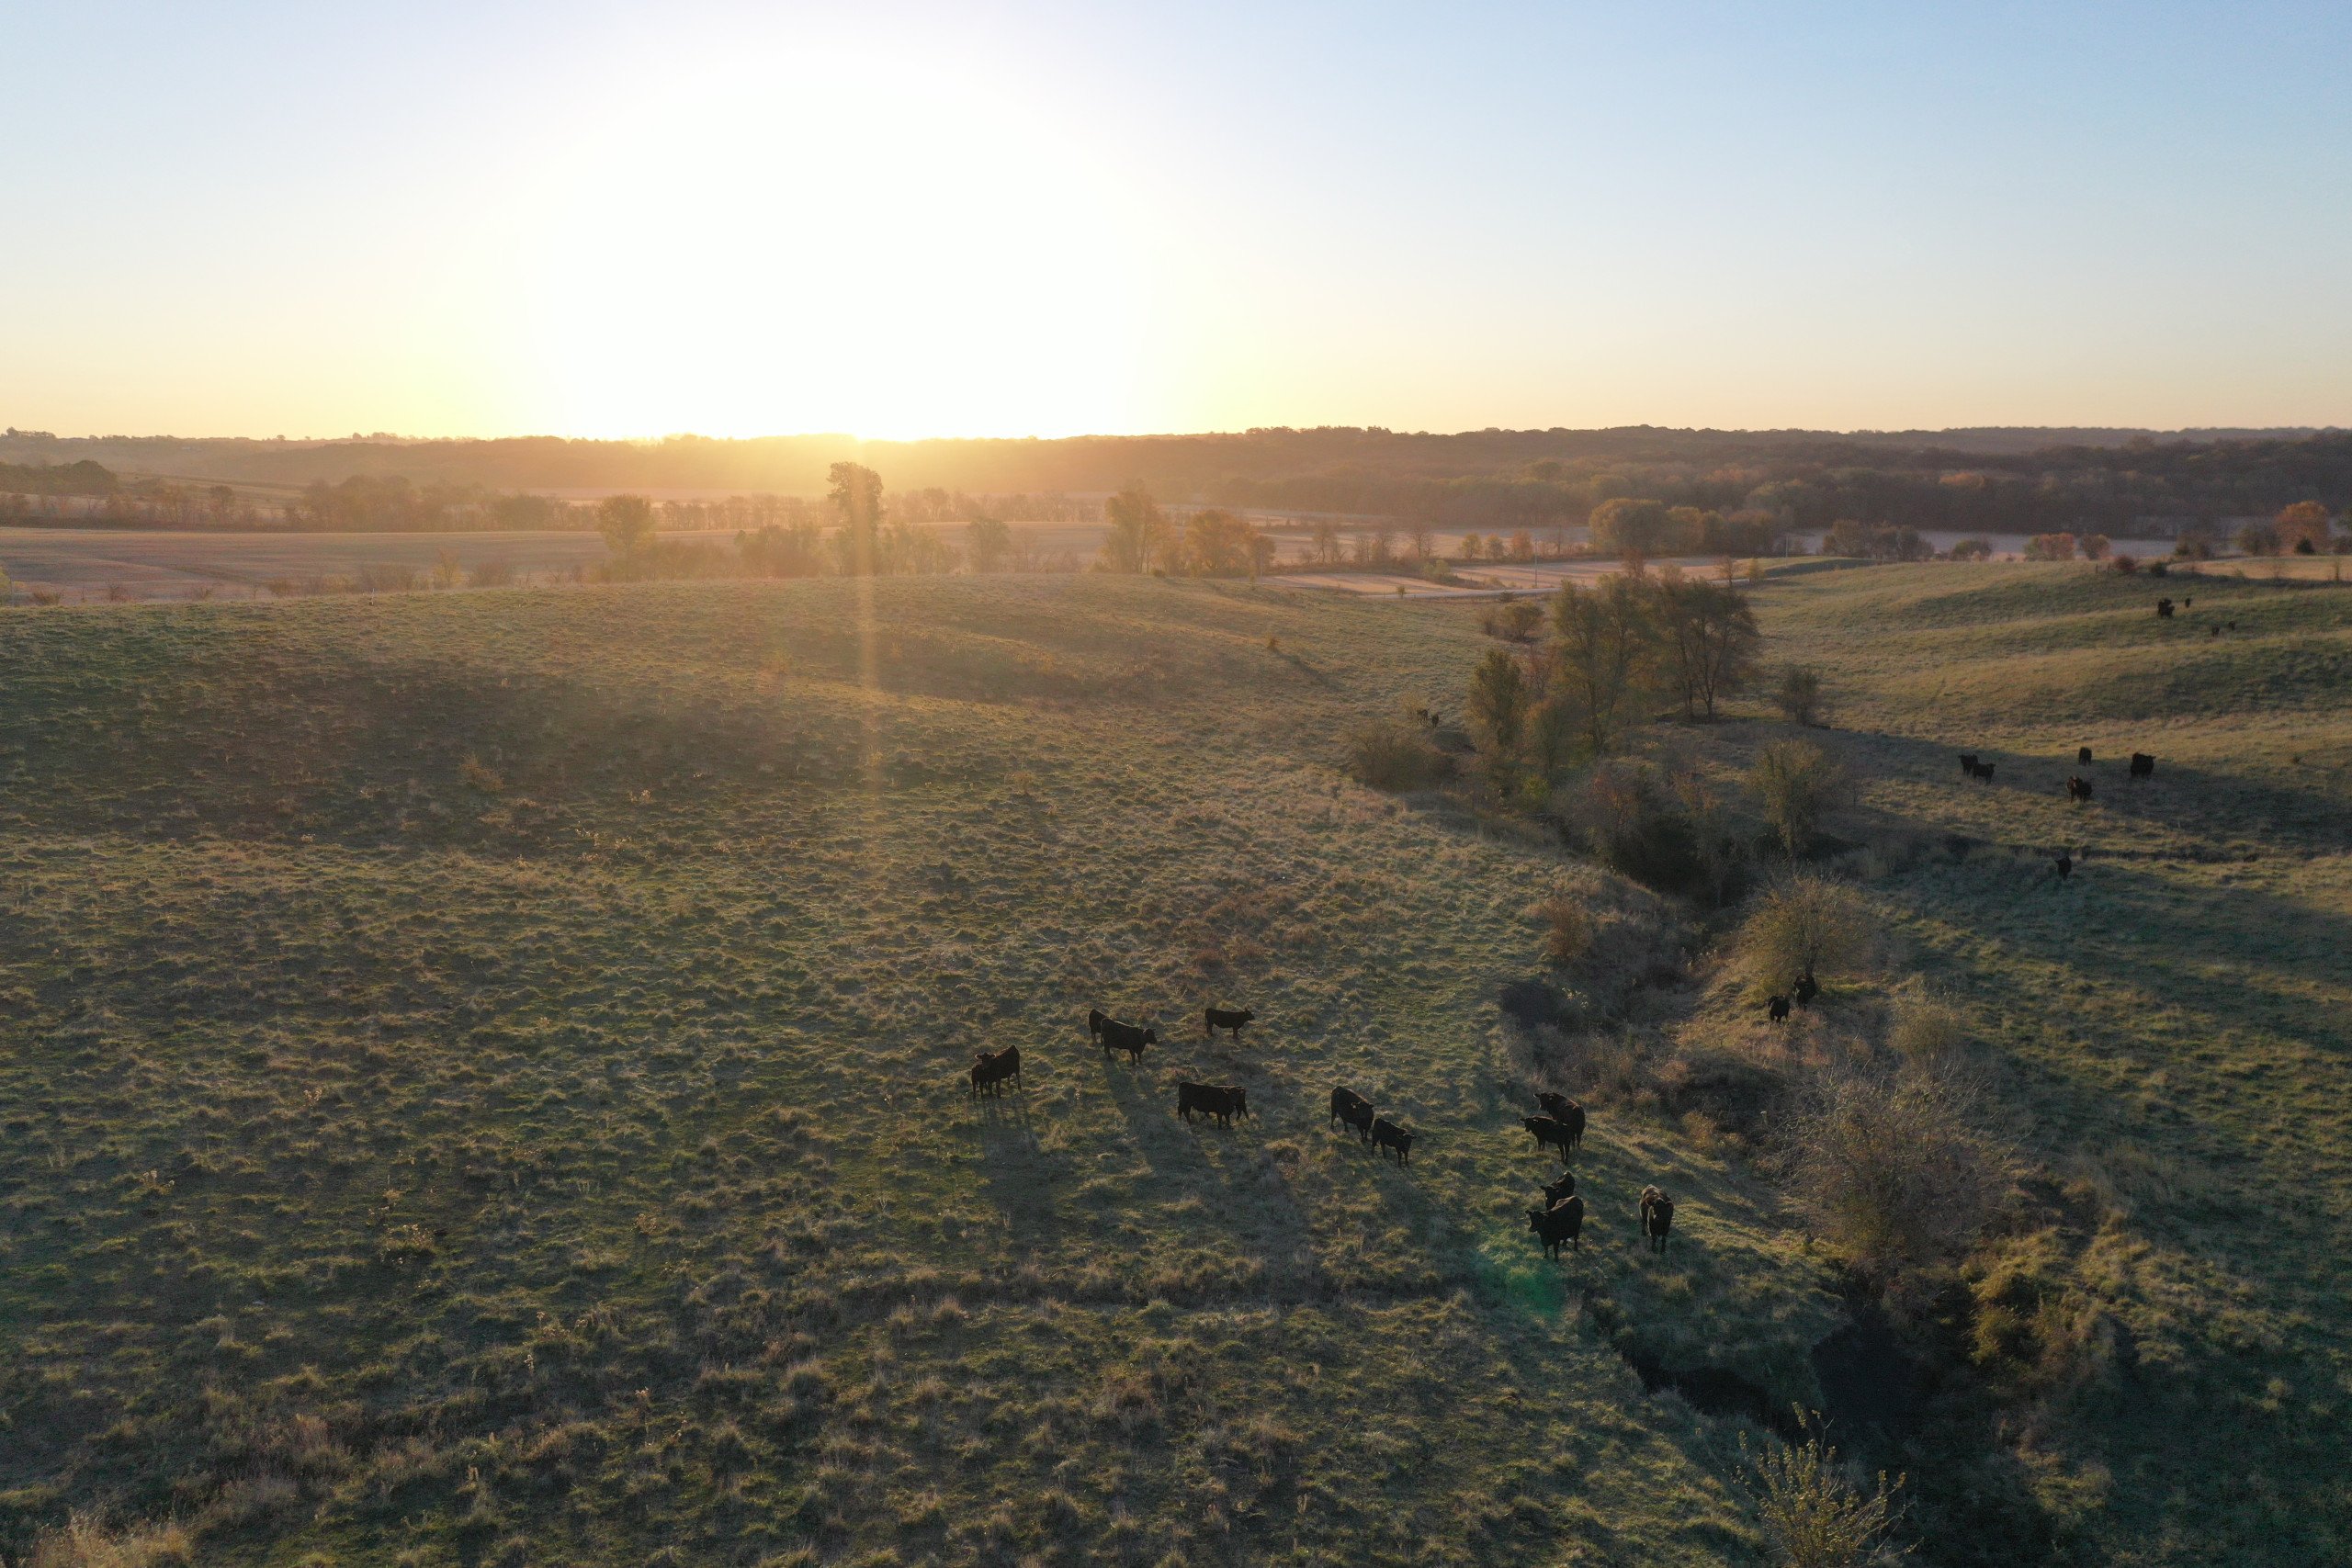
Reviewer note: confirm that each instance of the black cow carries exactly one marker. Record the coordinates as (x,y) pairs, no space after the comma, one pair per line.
(2065,864)
(1562,1224)
(2078,789)
(2083,756)
(1805,989)
(2233,625)
(1550,1130)
(1387,1135)
(1353,1109)
(1095,1018)
(1564,1188)
(2163,609)
(1117,1036)
(2142,765)
(989,1069)
(1778,1009)
(1983,771)
(2188,604)
(1223,1101)
(1557,1106)
(1224,1018)
(1658,1217)
(1968,764)
(2213,631)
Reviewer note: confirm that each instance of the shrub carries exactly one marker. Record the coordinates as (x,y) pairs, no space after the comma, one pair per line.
(1795,782)
(1806,925)
(1971,549)
(1890,1167)
(1497,703)
(1813,1512)
(1513,620)
(1634,829)
(2122,564)
(118,593)
(385,576)
(44,596)
(1394,754)
(1798,697)
(493,574)
(6,588)
(282,587)
(1567,931)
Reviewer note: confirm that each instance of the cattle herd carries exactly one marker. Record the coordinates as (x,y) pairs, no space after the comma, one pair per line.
(1559,1224)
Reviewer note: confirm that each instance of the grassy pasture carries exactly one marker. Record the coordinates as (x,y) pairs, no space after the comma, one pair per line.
(482,1077)
(482,1083)
(2170,1027)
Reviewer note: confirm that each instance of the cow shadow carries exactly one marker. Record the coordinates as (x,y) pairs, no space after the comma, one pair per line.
(1018,1173)
(1244,1195)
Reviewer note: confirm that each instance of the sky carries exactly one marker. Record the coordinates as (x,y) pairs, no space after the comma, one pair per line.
(908,218)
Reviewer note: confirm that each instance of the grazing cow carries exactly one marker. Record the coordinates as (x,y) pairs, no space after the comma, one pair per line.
(1985,773)
(1224,1018)
(1223,1101)
(1805,989)
(1968,764)
(1564,1188)
(1549,1129)
(1562,1224)
(2142,765)
(2083,756)
(2163,609)
(1556,1106)
(2078,789)
(2188,604)
(1117,1036)
(989,1069)
(2065,864)
(1387,1135)
(1353,1109)
(1778,1009)
(1658,1217)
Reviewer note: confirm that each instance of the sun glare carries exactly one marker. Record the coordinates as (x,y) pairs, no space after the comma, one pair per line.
(822,254)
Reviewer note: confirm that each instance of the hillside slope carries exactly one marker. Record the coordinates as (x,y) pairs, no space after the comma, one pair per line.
(2170,1025)
(483,1077)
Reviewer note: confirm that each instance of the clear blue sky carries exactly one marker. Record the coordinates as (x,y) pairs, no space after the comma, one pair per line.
(904,219)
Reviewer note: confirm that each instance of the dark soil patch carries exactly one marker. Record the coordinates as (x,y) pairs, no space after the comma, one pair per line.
(1873,1387)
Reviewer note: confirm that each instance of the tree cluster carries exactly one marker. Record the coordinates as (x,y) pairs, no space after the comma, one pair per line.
(1617,648)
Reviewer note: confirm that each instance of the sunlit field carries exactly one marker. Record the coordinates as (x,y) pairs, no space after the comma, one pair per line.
(485,1082)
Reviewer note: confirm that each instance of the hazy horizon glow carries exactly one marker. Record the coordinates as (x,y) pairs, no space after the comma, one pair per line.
(920,220)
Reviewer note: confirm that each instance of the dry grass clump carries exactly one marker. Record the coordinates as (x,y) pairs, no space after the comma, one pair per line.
(1815,1514)
(1925,1028)
(82,1542)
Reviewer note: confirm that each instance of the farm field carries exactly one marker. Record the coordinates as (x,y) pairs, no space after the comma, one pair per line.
(483,1082)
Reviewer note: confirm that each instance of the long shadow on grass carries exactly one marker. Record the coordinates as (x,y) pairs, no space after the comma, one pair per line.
(2196,803)
(1018,1172)
(1244,1195)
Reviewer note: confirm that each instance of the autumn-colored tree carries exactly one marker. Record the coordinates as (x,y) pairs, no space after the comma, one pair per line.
(2306,522)
(1218,544)
(1137,538)
(1626,524)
